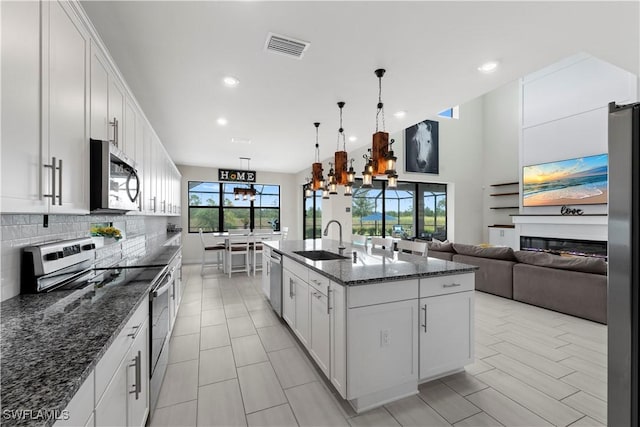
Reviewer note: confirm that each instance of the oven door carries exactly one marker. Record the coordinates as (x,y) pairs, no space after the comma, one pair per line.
(159,337)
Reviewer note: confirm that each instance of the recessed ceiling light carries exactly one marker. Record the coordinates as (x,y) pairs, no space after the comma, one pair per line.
(222,121)
(399,114)
(488,67)
(237,140)
(230,81)
(353,138)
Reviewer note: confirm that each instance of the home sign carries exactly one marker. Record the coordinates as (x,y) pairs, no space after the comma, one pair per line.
(236,175)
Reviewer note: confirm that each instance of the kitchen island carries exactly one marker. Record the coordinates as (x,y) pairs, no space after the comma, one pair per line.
(377,323)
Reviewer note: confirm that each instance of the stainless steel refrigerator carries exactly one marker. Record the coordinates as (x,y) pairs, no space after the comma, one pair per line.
(623,289)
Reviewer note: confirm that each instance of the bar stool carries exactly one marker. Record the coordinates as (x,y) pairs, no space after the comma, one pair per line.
(237,245)
(416,248)
(358,240)
(217,248)
(383,243)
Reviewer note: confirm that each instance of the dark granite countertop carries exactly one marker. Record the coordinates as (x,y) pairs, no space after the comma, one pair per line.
(51,342)
(371,265)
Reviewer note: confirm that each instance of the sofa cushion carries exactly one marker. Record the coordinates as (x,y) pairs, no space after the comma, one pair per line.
(573,263)
(501,252)
(436,245)
(494,275)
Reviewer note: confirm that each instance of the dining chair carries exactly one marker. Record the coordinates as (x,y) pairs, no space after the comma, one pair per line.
(382,243)
(416,248)
(216,247)
(358,240)
(237,246)
(257,247)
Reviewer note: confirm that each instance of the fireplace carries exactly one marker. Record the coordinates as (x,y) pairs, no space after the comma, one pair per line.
(560,246)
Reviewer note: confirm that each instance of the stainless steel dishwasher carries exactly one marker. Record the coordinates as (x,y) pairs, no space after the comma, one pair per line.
(275,282)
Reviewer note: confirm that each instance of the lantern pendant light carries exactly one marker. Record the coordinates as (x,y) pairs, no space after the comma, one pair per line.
(332,184)
(390,161)
(317,182)
(325,191)
(340,156)
(351,173)
(367,176)
(243,192)
(380,138)
(348,190)
(307,188)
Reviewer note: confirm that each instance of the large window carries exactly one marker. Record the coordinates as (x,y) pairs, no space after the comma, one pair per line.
(213,207)
(312,216)
(410,210)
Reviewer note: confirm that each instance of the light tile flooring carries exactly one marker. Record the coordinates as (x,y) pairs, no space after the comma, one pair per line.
(233,363)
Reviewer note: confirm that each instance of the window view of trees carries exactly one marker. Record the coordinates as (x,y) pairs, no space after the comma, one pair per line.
(313,216)
(410,210)
(213,207)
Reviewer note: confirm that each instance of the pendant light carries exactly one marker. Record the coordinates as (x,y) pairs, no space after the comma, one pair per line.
(243,192)
(340,156)
(380,138)
(367,173)
(351,173)
(332,183)
(325,191)
(308,192)
(391,160)
(317,182)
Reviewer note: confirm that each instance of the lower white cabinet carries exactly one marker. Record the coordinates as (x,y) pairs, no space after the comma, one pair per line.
(288,298)
(320,347)
(266,271)
(112,408)
(338,338)
(138,379)
(79,411)
(302,295)
(382,347)
(446,333)
(503,236)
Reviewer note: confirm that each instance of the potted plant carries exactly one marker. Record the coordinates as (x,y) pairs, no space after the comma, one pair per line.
(105,235)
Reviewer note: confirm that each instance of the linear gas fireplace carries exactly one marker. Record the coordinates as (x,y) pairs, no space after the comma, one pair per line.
(592,248)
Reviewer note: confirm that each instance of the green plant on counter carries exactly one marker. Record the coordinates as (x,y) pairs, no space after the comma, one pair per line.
(106,232)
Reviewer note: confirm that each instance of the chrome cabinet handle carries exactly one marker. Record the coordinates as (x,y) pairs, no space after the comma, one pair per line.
(53,180)
(59,182)
(140,199)
(114,124)
(290,287)
(328,300)
(453,285)
(137,387)
(154,204)
(136,331)
(425,317)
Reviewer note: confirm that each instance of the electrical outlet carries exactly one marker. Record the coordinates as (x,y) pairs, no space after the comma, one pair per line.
(385,338)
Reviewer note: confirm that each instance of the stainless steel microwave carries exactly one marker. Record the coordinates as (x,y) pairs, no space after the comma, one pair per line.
(114,181)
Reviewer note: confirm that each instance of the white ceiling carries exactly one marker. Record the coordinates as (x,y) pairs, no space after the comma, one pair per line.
(174,55)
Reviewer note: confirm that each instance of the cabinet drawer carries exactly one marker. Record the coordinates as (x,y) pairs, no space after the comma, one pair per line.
(108,364)
(441,285)
(319,282)
(296,268)
(380,293)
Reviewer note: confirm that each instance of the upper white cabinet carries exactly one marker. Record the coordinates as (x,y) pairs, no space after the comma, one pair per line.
(65,65)
(21,165)
(59,89)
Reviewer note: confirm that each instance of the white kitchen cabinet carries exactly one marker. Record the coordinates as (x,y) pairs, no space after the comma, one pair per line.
(338,338)
(382,346)
(138,379)
(446,333)
(116,111)
(111,410)
(129,124)
(320,325)
(65,119)
(21,162)
(266,271)
(99,94)
(80,409)
(302,322)
(288,298)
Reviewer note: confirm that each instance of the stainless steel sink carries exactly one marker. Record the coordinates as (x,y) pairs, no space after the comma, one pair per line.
(319,255)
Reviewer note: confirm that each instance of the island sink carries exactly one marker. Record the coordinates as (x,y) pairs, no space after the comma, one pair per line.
(319,255)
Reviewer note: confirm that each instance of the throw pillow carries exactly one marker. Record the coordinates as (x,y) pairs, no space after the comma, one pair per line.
(434,245)
(505,253)
(574,263)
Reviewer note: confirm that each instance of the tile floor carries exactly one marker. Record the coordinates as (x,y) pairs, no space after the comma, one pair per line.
(233,363)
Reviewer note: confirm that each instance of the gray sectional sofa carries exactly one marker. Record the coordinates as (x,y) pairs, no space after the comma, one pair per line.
(572,285)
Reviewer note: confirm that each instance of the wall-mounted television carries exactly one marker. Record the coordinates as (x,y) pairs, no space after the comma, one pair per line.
(580,181)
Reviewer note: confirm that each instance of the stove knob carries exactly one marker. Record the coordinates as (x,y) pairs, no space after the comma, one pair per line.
(89,247)
(54,256)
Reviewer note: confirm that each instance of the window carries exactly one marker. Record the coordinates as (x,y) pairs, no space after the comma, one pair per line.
(312,216)
(410,210)
(213,207)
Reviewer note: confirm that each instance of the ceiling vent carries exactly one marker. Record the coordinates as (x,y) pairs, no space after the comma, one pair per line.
(283,45)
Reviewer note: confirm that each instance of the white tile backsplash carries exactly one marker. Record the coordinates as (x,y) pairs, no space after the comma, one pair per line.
(18,231)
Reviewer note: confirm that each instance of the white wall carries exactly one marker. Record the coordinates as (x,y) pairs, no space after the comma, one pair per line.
(501,135)
(565,113)
(290,205)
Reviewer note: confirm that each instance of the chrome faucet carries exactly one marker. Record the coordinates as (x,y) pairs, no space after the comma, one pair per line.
(326,232)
